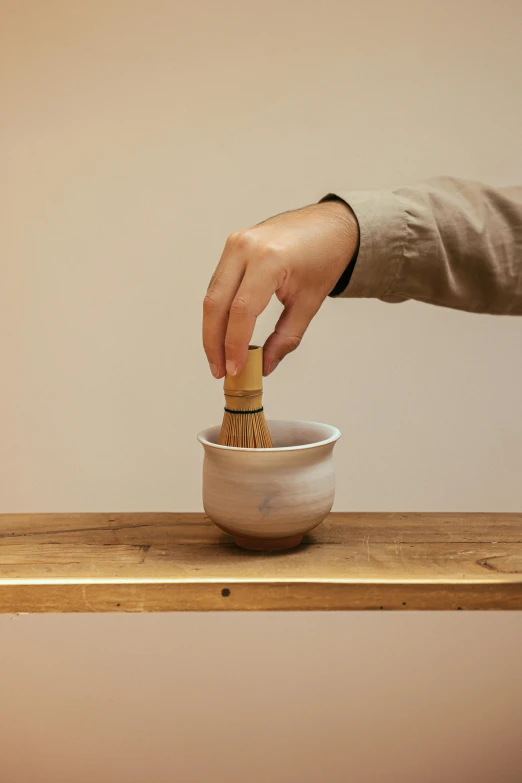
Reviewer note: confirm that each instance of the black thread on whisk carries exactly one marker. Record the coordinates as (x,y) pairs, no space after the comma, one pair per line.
(243,413)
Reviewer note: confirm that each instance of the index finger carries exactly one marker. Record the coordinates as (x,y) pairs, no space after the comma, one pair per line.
(216,305)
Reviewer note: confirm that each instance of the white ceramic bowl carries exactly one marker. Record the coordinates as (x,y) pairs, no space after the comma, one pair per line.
(268,498)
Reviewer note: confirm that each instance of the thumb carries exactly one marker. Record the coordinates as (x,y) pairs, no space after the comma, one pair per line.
(288,333)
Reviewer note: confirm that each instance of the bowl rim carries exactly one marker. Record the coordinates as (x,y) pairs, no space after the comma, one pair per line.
(336,434)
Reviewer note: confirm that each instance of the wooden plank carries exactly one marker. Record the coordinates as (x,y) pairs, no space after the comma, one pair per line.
(174,562)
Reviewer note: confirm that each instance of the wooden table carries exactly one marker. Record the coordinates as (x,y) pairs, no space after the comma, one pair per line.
(170,562)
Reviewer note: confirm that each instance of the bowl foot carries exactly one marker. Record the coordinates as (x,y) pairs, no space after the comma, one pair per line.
(268,544)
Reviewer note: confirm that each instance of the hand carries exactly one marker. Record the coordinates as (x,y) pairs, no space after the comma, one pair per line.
(297,255)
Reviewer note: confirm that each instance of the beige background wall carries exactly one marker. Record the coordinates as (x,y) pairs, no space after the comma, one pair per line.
(134,137)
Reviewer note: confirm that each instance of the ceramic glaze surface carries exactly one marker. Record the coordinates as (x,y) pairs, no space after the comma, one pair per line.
(268,498)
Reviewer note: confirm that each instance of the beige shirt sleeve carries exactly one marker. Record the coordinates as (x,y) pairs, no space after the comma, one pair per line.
(445,241)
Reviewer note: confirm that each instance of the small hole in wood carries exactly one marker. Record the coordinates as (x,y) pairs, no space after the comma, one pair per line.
(459,608)
(225,592)
(404,603)
(381,607)
(118,604)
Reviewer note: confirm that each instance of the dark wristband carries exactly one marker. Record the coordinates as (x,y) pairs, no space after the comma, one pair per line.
(343,281)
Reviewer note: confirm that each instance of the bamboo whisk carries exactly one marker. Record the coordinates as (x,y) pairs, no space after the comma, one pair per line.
(244,424)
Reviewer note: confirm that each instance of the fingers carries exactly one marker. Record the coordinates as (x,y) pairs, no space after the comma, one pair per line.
(216,306)
(288,333)
(259,283)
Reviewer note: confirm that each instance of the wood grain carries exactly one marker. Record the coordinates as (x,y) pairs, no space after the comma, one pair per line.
(170,562)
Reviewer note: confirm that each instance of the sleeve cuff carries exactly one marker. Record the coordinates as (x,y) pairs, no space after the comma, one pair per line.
(382,233)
